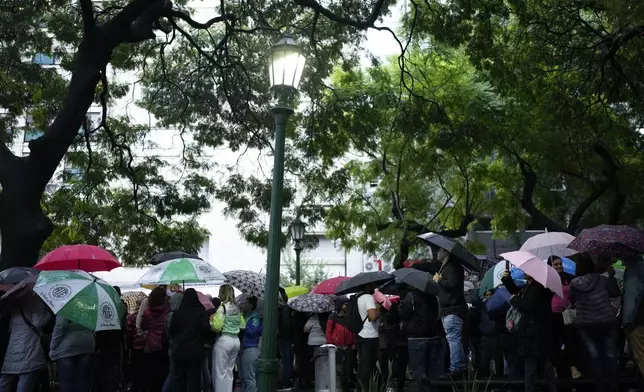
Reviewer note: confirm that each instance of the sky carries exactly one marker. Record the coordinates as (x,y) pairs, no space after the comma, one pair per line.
(227,250)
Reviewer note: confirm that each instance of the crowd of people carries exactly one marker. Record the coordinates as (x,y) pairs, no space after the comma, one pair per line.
(171,342)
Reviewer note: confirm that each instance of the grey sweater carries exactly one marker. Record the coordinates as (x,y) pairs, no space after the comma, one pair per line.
(70,339)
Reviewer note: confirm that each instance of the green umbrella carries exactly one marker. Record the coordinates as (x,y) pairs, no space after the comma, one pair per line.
(180,271)
(82,298)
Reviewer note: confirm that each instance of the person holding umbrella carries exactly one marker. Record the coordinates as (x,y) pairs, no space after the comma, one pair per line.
(533,302)
(451,296)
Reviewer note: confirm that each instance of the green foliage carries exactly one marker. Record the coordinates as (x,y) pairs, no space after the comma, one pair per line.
(206,80)
(311,273)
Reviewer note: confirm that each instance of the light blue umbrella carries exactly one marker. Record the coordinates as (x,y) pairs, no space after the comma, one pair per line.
(569,266)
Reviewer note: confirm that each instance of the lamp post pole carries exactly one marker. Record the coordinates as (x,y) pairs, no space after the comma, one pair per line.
(267,364)
(298,269)
(285,67)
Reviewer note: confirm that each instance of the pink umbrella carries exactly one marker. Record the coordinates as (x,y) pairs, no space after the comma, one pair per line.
(328,286)
(537,269)
(205,301)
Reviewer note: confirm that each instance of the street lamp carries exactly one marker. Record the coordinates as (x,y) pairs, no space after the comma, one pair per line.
(285,65)
(297,233)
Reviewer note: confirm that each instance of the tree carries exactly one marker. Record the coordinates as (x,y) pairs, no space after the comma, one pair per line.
(136,35)
(311,273)
(572,70)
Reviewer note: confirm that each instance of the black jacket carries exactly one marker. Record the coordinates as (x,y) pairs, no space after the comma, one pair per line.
(534,302)
(452,293)
(591,296)
(419,312)
(189,329)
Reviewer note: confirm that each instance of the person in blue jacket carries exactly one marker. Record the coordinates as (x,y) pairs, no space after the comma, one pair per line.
(249,352)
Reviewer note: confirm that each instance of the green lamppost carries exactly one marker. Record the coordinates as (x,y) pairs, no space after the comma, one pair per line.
(297,233)
(285,65)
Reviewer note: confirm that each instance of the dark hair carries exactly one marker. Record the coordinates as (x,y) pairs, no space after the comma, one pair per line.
(157,297)
(190,298)
(585,264)
(252,303)
(552,259)
(216,302)
(323,319)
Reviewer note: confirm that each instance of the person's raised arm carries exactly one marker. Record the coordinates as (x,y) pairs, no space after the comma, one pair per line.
(509,283)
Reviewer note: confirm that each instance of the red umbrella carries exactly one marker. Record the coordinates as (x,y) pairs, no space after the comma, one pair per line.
(88,258)
(328,286)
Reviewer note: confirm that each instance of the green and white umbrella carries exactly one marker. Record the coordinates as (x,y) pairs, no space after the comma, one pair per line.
(181,271)
(82,298)
(493,276)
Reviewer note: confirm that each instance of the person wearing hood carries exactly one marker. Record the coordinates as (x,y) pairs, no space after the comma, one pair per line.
(339,335)
(155,349)
(187,329)
(419,314)
(597,322)
(175,298)
(249,352)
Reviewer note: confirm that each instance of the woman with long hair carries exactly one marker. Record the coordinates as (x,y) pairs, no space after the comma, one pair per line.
(562,335)
(155,349)
(228,321)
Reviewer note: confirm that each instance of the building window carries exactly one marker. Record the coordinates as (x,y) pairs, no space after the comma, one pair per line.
(71,172)
(45,59)
(32,134)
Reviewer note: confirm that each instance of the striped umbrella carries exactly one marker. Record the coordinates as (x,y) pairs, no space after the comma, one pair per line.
(82,298)
(181,271)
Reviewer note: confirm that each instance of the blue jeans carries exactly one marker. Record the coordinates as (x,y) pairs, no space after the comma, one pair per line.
(426,359)
(453,326)
(248,368)
(76,373)
(286,354)
(26,382)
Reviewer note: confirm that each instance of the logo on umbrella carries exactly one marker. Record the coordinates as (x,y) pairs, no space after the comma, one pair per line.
(107,312)
(205,268)
(60,292)
(500,274)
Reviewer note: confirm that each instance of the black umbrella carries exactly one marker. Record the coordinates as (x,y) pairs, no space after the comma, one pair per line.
(165,256)
(15,275)
(467,259)
(355,284)
(419,280)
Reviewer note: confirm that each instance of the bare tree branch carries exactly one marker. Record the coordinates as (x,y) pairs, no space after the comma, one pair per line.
(376,12)
(197,25)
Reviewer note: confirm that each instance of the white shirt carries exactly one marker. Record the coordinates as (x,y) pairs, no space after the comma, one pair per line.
(370,329)
(316,334)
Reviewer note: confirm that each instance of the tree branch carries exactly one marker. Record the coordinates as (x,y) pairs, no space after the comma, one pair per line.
(89,23)
(360,24)
(529,184)
(197,25)
(7,158)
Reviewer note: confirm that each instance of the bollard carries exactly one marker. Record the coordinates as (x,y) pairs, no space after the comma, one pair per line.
(332,372)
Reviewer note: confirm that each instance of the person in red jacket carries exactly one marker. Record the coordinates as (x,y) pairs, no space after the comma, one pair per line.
(339,335)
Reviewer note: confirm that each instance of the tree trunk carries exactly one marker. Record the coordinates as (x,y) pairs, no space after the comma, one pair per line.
(24,227)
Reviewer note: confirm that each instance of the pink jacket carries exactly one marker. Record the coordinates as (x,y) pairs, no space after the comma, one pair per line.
(559,304)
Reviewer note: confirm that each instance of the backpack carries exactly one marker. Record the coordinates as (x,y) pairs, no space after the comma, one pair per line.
(353,321)
(513,320)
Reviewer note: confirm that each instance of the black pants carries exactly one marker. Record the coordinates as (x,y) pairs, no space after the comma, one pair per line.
(186,376)
(600,343)
(346,362)
(367,359)
(398,357)
(489,351)
(136,370)
(156,367)
(536,365)
(108,370)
